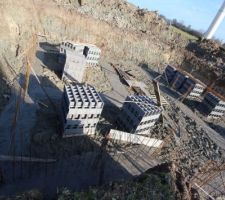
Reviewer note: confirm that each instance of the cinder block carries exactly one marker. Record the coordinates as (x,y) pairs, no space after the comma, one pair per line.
(81,110)
(170,72)
(89,51)
(178,80)
(192,88)
(214,106)
(138,115)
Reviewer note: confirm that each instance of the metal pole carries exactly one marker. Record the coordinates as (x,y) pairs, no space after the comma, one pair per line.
(216,22)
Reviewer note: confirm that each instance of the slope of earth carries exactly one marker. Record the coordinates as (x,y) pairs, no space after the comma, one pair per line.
(110,22)
(205,60)
(120,29)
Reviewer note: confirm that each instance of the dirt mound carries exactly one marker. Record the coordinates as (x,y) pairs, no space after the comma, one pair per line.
(115,26)
(205,59)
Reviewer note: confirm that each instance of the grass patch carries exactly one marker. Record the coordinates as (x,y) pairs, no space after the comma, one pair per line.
(183,33)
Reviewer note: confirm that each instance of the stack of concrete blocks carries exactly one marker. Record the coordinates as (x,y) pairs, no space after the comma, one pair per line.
(71,47)
(138,115)
(184,84)
(170,72)
(81,110)
(91,52)
(74,67)
(214,106)
(192,88)
(178,80)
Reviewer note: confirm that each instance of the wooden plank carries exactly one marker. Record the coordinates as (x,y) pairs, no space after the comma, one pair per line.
(157,92)
(134,138)
(25,159)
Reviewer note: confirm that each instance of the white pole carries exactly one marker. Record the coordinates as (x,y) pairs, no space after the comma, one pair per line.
(206,193)
(216,22)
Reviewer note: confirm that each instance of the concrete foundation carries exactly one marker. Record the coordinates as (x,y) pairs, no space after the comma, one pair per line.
(81,110)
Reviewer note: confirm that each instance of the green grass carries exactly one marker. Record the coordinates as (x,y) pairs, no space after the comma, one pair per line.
(183,33)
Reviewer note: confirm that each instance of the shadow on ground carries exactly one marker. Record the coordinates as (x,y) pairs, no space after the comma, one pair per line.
(220,129)
(195,105)
(50,57)
(81,162)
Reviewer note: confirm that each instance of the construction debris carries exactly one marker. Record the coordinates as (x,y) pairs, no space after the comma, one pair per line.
(195,147)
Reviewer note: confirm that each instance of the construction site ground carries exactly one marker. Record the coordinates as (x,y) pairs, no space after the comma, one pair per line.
(80,162)
(200,119)
(131,39)
(77,162)
(87,160)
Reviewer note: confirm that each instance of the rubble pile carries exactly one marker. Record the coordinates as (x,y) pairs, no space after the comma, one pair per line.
(123,15)
(208,50)
(193,148)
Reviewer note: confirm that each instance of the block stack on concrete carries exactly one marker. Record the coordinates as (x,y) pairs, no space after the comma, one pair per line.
(76,48)
(91,52)
(184,82)
(138,115)
(74,67)
(75,57)
(170,72)
(215,106)
(192,89)
(81,110)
